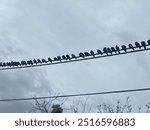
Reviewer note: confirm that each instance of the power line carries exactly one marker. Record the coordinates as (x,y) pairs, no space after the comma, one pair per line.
(76,95)
(78,58)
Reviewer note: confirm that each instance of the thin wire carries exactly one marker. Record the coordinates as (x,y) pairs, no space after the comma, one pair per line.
(83,59)
(75,95)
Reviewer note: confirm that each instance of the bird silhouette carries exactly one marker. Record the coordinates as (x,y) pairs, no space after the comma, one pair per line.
(131,47)
(117,49)
(92,53)
(138,45)
(143,44)
(113,49)
(1,64)
(124,48)
(68,57)
(64,57)
(28,62)
(81,55)
(4,64)
(55,59)
(49,60)
(87,54)
(39,61)
(44,61)
(34,61)
(59,58)
(105,50)
(109,50)
(148,42)
(99,52)
(73,56)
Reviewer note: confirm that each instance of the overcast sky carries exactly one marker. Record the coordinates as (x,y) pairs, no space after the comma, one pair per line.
(46,28)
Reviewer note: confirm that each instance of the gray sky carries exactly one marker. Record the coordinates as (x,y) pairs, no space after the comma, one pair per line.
(42,28)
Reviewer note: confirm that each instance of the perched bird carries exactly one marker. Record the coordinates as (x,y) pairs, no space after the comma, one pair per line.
(39,61)
(148,42)
(68,57)
(117,49)
(31,62)
(59,58)
(138,45)
(105,50)
(1,65)
(4,64)
(18,63)
(131,47)
(64,57)
(81,55)
(143,44)
(49,60)
(124,48)
(99,52)
(92,53)
(87,54)
(73,56)
(113,49)
(44,61)
(55,59)
(28,62)
(34,61)
(109,50)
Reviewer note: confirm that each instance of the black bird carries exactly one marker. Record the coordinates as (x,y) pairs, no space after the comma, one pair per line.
(55,59)
(113,49)
(117,49)
(109,50)
(59,58)
(64,57)
(31,62)
(9,64)
(44,61)
(131,47)
(39,61)
(81,55)
(4,64)
(18,63)
(1,65)
(105,50)
(143,44)
(92,53)
(28,62)
(124,48)
(50,60)
(99,52)
(22,63)
(68,57)
(148,42)
(138,45)
(87,54)
(73,56)
(34,61)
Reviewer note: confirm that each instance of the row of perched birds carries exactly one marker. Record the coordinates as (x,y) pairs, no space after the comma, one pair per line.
(106,51)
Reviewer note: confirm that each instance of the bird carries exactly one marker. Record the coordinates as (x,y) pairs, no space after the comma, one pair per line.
(28,62)
(138,45)
(81,55)
(124,48)
(105,50)
(39,61)
(131,47)
(92,53)
(55,59)
(99,52)
(143,44)
(117,49)
(109,50)
(113,49)
(34,61)
(1,65)
(73,56)
(87,54)
(59,58)
(64,57)
(148,42)
(68,57)
(4,64)
(44,61)
(49,60)
(31,62)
